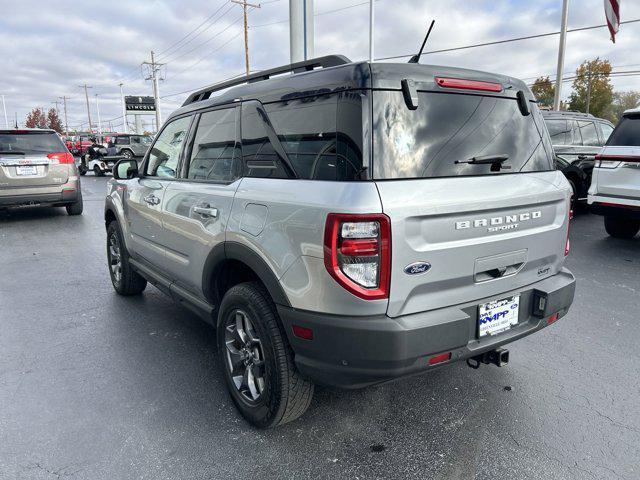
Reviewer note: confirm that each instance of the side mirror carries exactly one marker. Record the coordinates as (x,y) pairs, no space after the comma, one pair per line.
(125,169)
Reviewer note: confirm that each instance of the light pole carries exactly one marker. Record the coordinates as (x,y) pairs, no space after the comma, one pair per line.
(124,110)
(371,22)
(98,110)
(4,107)
(561,48)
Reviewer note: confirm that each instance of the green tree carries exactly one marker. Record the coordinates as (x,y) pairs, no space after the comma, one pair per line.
(595,74)
(53,120)
(624,101)
(36,119)
(544,91)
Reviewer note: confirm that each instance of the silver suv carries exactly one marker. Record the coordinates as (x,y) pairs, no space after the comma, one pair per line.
(37,169)
(348,224)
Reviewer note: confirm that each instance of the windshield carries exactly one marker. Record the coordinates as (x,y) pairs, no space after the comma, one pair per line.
(627,133)
(30,142)
(443,136)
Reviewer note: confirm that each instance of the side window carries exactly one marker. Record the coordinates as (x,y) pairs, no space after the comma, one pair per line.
(606,131)
(213,152)
(589,133)
(165,152)
(135,140)
(306,129)
(121,140)
(259,157)
(558,131)
(576,138)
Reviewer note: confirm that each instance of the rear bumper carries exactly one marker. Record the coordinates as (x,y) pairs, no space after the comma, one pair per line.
(354,352)
(614,207)
(62,197)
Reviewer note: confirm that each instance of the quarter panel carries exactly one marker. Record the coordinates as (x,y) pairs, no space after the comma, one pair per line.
(294,227)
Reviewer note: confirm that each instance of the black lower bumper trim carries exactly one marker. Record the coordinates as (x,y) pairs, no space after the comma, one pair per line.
(354,352)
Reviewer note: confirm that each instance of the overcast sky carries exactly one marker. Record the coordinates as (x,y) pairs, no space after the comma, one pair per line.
(48,48)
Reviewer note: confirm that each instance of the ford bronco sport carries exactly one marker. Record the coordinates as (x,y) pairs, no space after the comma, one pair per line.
(348,224)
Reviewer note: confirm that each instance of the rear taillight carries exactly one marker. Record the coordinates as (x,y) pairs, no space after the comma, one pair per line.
(464,84)
(567,245)
(357,253)
(61,158)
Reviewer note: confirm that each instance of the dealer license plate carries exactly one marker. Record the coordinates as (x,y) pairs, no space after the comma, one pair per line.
(27,170)
(498,316)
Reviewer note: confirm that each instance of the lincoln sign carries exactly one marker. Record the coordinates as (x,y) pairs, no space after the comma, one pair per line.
(139,105)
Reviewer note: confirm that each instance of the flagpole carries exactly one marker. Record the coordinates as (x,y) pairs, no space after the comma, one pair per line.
(561,49)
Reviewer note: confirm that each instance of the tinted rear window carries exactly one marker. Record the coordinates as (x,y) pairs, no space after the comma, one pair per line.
(31,143)
(559,132)
(627,133)
(447,127)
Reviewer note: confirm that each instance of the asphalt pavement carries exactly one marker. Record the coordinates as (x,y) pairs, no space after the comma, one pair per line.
(97,386)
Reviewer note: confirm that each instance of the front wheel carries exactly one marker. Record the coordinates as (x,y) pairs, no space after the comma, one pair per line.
(128,154)
(125,280)
(97,171)
(620,227)
(256,359)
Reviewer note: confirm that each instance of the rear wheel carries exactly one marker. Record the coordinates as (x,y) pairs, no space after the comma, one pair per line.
(77,207)
(619,227)
(125,280)
(256,360)
(126,153)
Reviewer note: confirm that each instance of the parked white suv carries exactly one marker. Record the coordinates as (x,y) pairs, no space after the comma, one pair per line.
(615,186)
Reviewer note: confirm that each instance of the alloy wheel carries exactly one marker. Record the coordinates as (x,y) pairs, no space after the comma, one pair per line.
(245,358)
(115,259)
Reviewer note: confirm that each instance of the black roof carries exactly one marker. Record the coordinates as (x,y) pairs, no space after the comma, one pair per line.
(340,74)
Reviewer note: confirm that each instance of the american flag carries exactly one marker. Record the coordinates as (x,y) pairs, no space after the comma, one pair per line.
(612,12)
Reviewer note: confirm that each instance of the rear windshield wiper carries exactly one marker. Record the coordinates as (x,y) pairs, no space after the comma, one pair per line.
(485,160)
(495,161)
(11,152)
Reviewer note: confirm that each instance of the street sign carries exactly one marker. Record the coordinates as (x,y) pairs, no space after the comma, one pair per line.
(135,105)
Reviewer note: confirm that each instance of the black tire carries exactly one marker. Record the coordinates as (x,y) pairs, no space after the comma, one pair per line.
(129,282)
(620,227)
(77,207)
(97,171)
(82,170)
(284,393)
(126,153)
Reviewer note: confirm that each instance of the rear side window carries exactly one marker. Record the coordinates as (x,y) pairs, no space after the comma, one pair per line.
(214,147)
(589,133)
(259,156)
(31,143)
(165,154)
(446,128)
(122,140)
(558,131)
(606,131)
(627,133)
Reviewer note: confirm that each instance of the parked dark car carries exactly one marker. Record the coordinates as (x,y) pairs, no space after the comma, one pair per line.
(577,138)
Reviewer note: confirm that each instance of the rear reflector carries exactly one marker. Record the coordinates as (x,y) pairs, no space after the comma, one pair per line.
(61,158)
(443,357)
(468,84)
(302,332)
(361,248)
(552,319)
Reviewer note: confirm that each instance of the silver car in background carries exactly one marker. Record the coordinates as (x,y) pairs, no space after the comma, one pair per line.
(37,169)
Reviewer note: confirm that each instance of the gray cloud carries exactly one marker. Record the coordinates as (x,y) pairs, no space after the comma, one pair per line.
(49,48)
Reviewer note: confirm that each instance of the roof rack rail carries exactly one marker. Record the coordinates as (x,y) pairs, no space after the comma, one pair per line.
(304,66)
(572,113)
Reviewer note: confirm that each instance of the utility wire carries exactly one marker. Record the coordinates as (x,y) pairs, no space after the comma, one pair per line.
(193,30)
(326,12)
(498,42)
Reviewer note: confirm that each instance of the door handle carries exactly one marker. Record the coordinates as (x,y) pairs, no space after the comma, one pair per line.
(152,199)
(206,211)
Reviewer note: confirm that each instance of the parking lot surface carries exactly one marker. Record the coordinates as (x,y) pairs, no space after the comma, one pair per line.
(97,386)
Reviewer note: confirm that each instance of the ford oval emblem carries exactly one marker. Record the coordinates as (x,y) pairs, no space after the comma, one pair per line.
(417,268)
